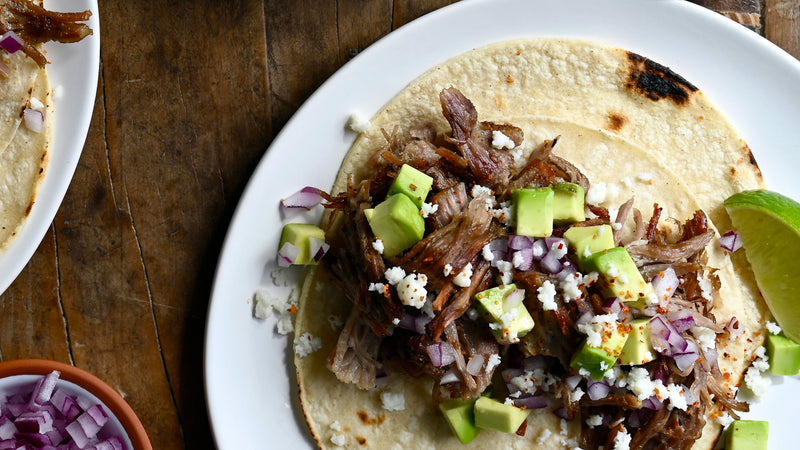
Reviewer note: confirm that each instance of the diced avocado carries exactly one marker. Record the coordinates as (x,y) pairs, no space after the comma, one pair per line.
(747,435)
(568,204)
(597,360)
(300,235)
(588,240)
(508,322)
(783,355)
(460,415)
(619,275)
(637,349)
(533,211)
(413,183)
(397,222)
(490,413)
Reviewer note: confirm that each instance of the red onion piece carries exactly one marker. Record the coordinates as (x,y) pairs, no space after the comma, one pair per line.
(11,42)
(499,249)
(34,119)
(287,254)
(687,357)
(441,354)
(531,402)
(664,284)
(539,249)
(306,198)
(523,259)
(449,377)
(514,299)
(597,389)
(550,263)
(318,248)
(517,242)
(653,403)
(475,364)
(562,413)
(573,381)
(734,327)
(730,241)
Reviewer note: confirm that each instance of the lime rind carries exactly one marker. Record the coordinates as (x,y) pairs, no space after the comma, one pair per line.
(769,226)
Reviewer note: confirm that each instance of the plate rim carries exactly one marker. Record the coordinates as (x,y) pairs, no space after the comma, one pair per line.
(218,298)
(65,148)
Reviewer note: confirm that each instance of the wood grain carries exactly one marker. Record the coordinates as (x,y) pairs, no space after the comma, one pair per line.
(191,93)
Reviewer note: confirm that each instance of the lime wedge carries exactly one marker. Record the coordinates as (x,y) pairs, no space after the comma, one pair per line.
(769,226)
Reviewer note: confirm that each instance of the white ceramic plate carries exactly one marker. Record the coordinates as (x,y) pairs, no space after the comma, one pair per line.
(74,67)
(249,374)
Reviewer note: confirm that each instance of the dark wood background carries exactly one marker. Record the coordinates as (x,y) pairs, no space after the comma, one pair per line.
(191,93)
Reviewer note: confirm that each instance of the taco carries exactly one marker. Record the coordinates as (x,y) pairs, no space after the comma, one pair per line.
(25,91)
(407,331)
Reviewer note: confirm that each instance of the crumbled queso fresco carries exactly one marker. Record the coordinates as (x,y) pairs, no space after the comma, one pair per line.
(393,401)
(411,290)
(306,344)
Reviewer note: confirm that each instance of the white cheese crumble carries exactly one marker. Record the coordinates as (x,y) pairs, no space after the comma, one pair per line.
(645,177)
(622,440)
(594,420)
(558,249)
(358,123)
(543,436)
(394,275)
(773,328)
(570,287)
(486,252)
(448,269)
(335,426)
(705,287)
(378,246)
(494,361)
(463,279)
(428,209)
(501,141)
(377,287)
(547,295)
(338,440)
(478,190)
(306,344)
(284,325)
(411,290)
(392,401)
(595,328)
(575,396)
(724,419)
(706,337)
(506,275)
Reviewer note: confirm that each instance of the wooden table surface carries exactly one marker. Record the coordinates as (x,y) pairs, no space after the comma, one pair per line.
(191,93)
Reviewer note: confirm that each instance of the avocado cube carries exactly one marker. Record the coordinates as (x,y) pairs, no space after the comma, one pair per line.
(638,349)
(747,435)
(460,415)
(568,203)
(597,360)
(783,355)
(490,413)
(619,276)
(397,222)
(533,211)
(508,322)
(588,240)
(300,235)
(413,183)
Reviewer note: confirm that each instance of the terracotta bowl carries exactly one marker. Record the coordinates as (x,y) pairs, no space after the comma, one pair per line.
(123,422)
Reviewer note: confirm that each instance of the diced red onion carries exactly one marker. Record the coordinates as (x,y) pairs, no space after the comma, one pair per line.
(531,402)
(562,413)
(665,283)
(514,299)
(550,263)
(730,241)
(306,198)
(475,364)
(534,362)
(44,389)
(287,254)
(709,362)
(381,377)
(665,338)
(318,248)
(539,249)
(7,428)
(11,42)
(441,354)
(686,358)
(734,327)
(550,242)
(499,249)
(653,403)
(449,377)
(523,259)
(597,389)
(517,242)
(573,381)
(34,119)
(508,375)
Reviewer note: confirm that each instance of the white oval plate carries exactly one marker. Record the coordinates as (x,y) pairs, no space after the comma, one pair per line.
(74,67)
(249,375)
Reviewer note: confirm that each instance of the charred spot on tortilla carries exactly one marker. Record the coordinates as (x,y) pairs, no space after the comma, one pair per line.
(656,81)
(361,440)
(365,418)
(616,121)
